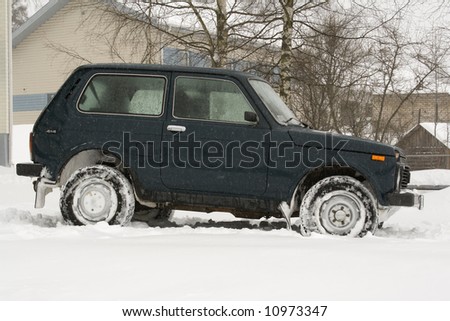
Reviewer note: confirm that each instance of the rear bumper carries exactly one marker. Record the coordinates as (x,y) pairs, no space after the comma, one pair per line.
(42,185)
(409,199)
(29,169)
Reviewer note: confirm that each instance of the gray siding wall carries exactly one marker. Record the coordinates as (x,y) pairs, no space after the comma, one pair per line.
(4,149)
(5,81)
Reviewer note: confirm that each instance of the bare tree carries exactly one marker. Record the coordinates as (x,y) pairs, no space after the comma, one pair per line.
(331,75)
(286,48)
(286,22)
(403,67)
(351,64)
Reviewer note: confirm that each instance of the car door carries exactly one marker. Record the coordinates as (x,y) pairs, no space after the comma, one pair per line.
(124,112)
(211,146)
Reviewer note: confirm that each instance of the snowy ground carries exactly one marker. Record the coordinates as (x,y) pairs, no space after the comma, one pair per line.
(44,259)
(41,258)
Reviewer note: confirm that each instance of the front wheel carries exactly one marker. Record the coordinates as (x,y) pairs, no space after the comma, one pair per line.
(97,194)
(339,205)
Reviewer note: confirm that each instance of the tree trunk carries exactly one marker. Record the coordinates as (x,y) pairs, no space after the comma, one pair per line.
(286,49)
(220,56)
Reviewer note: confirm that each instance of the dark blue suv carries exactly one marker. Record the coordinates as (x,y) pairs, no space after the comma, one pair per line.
(117,138)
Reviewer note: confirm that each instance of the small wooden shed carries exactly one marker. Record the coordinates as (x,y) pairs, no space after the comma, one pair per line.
(427,146)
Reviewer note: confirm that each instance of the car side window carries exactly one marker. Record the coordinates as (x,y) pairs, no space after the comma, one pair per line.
(210,99)
(124,94)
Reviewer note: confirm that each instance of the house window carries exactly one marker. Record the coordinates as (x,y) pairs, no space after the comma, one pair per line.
(179,57)
(198,60)
(33,102)
(173,56)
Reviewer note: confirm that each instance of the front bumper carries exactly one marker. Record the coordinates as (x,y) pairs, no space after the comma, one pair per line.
(409,199)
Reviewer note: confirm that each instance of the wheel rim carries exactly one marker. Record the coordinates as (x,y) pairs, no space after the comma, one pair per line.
(95,200)
(340,212)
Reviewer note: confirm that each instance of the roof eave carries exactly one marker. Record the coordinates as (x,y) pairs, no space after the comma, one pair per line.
(36,20)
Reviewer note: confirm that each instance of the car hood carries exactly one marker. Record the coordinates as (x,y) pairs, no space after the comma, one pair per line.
(319,139)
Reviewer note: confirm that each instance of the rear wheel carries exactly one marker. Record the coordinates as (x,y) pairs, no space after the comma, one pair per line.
(97,194)
(339,205)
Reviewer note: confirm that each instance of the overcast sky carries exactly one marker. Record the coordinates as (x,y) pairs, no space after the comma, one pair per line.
(422,13)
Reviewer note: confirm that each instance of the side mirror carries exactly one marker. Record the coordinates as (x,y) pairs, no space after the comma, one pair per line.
(250,117)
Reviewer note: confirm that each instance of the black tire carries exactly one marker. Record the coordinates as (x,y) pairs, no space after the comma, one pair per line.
(97,194)
(339,205)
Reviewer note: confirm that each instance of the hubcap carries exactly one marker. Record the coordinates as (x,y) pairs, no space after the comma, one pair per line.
(95,200)
(340,212)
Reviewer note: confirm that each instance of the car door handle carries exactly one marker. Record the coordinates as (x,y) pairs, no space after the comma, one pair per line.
(176,128)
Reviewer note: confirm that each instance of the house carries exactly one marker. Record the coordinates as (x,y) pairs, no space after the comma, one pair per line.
(427,146)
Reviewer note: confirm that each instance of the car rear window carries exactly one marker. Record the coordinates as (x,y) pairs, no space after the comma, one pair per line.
(124,94)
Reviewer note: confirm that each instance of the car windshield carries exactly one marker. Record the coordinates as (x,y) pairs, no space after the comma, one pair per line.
(274,103)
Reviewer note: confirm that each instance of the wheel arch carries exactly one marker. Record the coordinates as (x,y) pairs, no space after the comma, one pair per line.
(317,174)
(88,157)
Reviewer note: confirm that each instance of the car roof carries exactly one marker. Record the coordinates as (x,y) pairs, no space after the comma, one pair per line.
(167,68)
